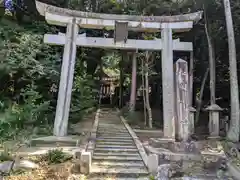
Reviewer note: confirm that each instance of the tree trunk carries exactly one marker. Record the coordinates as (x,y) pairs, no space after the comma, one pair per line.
(121,84)
(143,92)
(147,91)
(201,95)
(133,83)
(233,133)
(212,65)
(191,80)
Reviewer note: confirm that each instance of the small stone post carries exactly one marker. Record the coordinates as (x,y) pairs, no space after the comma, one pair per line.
(214,110)
(192,111)
(152,163)
(86,162)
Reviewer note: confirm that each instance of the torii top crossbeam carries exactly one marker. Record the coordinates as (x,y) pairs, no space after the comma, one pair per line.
(62,16)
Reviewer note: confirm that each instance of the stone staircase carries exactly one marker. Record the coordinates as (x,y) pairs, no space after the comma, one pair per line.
(116,155)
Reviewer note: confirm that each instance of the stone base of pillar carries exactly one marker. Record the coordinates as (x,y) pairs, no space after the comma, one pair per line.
(167,139)
(192,112)
(54,140)
(214,111)
(214,137)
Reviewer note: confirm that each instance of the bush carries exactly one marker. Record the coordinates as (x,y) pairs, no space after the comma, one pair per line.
(55,156)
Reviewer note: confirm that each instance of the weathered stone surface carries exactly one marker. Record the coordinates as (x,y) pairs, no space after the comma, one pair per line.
(76,166)
(116,155)
(214,110)
(182,100)
(86,162)
(187,147)
(117,158)
(191,120)
(54,140)
(168,84)
(77,153)
(214,164)
(109,149)
(127,171)
(153,163)
(66,80)
(43,8)
(7,166)
(164,172)
(128,164)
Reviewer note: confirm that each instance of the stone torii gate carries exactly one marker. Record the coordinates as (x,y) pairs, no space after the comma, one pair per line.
(74,20)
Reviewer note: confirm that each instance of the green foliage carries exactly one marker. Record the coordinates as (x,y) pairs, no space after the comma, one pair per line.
(151,177)
(28,69)
(16,115)
(5,156)
(84,91)
(55,156)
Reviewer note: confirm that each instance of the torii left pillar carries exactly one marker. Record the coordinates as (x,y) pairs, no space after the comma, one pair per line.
(66,80)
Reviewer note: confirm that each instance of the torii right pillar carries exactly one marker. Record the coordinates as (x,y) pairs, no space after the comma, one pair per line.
(168,84)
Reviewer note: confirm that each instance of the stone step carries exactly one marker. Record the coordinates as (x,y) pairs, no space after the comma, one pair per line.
(117,138)
(120,134)
(128,172)
(115,150)
(111,125)
(119,164)
(114,126)
(117,158)
(113,133)
(108,124)
(111,122)
(107,177)
(116,154)
(115,146)
(115,143)
(114,140)
(195,178)
(57,141)
(112,118)
(111,130)
(36,151)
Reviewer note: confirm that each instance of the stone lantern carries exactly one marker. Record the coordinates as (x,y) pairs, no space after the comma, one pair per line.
(214,111)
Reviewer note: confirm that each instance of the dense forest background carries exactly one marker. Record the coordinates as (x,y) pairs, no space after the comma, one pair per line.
(30,69)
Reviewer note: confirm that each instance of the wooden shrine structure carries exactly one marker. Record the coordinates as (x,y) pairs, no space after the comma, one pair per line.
(74,20)
(107,87)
